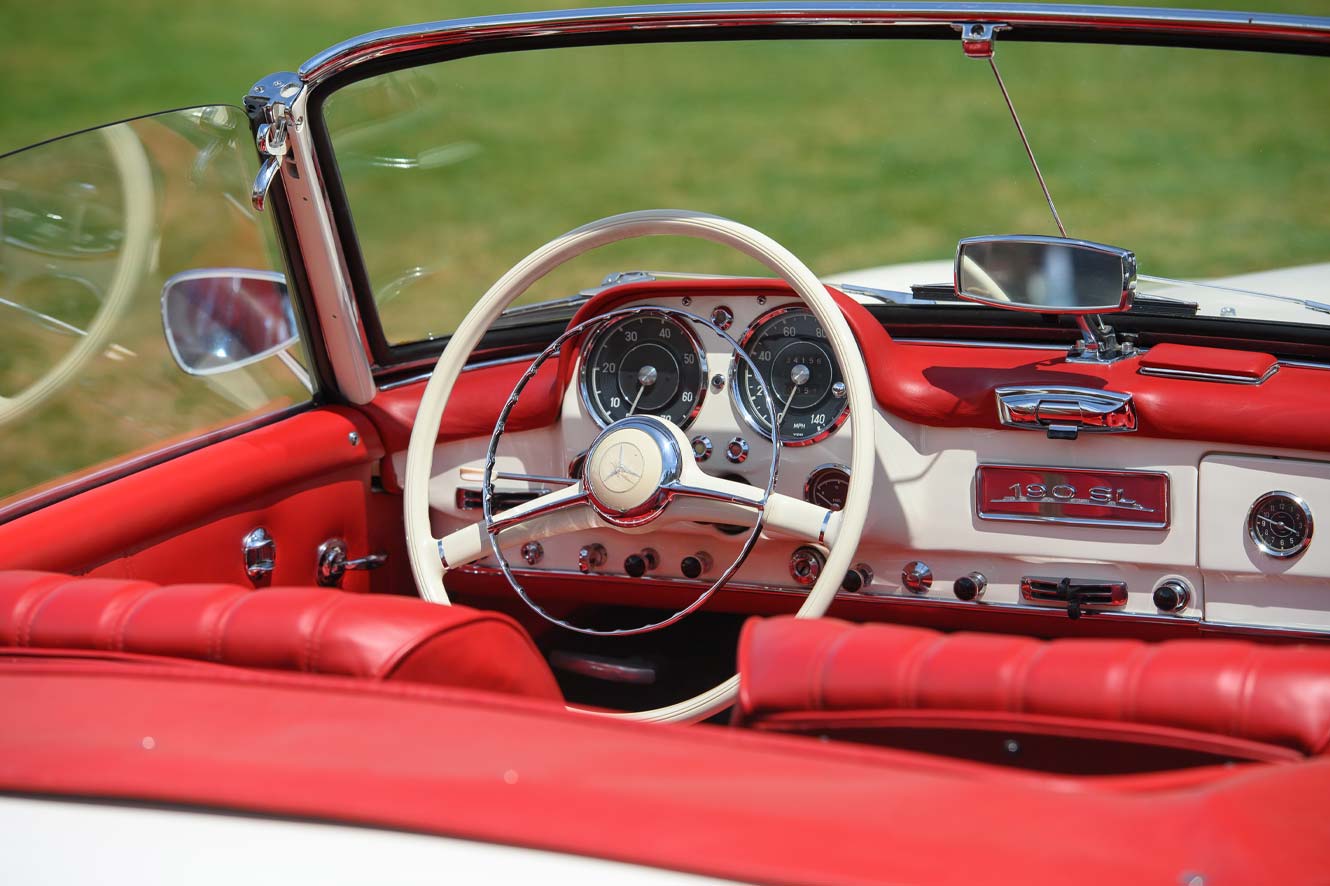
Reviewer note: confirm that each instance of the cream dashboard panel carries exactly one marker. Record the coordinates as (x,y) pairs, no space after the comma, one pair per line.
(924,509)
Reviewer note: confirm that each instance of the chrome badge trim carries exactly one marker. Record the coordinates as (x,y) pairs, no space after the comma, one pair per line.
(1109,497)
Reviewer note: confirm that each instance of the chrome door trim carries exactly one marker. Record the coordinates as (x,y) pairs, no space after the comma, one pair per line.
(1197,24)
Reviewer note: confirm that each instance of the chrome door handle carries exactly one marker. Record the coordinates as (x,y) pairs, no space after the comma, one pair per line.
(1063,412)
(333,563)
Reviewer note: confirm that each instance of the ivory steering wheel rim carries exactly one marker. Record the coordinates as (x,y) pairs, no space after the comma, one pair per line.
(426,553)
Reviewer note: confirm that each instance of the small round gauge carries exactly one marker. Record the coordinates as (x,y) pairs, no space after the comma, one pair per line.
(645,363)
(1281,524)
(827,486)
(791,351)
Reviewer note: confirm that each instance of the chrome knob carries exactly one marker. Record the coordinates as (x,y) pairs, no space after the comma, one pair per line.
(970,587)
(701,447)
(591,557)
(533,552)
(737,450)
(1172,595)
(806,565)
(722,316)
(917,577)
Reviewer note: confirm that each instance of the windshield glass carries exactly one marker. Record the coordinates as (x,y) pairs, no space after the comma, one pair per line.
(860,156)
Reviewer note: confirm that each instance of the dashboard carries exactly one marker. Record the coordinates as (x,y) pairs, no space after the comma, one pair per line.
(1000,516)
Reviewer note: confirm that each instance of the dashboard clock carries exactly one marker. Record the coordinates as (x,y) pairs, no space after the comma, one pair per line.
(1280,524)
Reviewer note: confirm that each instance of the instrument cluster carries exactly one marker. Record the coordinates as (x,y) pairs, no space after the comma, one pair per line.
(652,362)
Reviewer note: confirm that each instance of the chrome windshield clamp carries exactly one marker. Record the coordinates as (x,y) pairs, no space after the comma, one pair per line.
(269,105)
(977,37)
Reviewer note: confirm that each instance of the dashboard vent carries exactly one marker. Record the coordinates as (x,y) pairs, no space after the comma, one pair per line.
(470,499)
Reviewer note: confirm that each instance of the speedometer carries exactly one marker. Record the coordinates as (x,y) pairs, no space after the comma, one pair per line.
(644,364)
(791,351)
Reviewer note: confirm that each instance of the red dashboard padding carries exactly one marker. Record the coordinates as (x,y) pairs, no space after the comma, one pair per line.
(315,630)
(1248,365)
(1227,696)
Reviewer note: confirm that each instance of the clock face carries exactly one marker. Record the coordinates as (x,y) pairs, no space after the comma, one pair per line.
(1281,524)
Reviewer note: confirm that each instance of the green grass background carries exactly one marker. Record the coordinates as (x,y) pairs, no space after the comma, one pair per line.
(858,156)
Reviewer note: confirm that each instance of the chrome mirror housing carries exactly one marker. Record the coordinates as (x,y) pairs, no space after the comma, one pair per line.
(1050,275)
(220,319)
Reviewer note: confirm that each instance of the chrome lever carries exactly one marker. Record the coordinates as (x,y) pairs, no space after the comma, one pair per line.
(333,562)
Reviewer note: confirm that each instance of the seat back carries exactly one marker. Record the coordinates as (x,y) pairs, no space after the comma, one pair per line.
(316,630)
(1082,705)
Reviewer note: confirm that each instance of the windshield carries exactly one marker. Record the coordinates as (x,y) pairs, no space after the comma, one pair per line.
(869,159)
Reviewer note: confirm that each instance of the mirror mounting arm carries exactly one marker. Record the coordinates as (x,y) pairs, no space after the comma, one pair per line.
(1099,342)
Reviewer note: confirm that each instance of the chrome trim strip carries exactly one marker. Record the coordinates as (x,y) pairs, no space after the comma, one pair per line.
(1124,20)
(1203,375)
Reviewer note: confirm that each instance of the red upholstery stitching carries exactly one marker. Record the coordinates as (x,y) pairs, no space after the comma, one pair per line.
(315,641)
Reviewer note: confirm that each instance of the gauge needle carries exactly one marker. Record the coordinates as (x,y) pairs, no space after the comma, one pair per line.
(799,375)
(1278,524)
(646,377)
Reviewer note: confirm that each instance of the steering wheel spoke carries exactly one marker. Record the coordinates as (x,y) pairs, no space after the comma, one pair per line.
(702,497)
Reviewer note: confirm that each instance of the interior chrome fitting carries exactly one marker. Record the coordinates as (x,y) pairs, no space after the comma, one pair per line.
(917,577)
(591,557)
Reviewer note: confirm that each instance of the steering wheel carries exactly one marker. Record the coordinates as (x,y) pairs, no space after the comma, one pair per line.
(135,174)
(654,497)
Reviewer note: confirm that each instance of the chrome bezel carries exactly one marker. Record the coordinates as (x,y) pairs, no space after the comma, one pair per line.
(1255,536)
(593,341)
(1126,258)
(823,469)
(736,392)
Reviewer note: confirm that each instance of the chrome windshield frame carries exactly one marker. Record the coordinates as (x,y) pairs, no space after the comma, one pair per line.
(320,214)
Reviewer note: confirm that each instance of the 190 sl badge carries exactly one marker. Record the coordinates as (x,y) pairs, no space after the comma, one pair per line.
(1125,499)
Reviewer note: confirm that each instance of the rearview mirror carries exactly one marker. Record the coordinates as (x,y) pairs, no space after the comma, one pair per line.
(219,319)
(1050,275)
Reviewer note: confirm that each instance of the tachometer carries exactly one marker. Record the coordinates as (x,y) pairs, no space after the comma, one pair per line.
(791,351)
(644,363)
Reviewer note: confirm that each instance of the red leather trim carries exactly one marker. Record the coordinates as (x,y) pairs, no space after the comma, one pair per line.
(474,405)
(703,799)
(318,630)
(1140,737)
(1189,358)
(253,472)
(1264,694)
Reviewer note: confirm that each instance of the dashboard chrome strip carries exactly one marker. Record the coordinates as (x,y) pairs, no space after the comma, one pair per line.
(1202,375)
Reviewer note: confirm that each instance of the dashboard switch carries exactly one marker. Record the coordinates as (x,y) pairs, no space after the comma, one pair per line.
(806,565)
(639,564)
(1172,595)
(695,565)
(737,450)
(857,578)
(917,577)
(970,587)
(701,447)
(591,557)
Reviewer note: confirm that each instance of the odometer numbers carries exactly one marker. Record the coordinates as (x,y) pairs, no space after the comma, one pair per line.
(644,364)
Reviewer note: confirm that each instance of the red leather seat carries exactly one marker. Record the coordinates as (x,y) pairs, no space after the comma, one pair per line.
(1078,705)
(317,630)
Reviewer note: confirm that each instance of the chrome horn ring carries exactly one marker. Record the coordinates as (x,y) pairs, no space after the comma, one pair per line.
(667,486)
